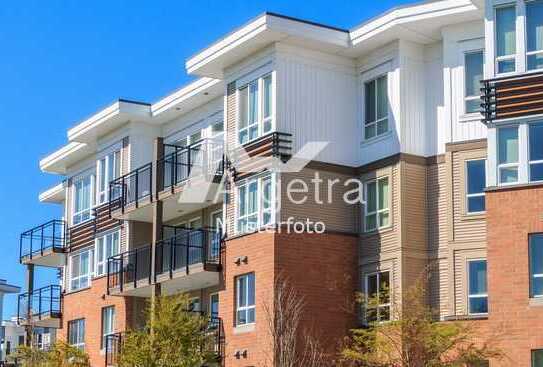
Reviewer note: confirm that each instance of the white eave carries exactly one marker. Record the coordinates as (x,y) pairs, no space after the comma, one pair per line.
(262,31)
(109,119)
(55,194)
(58,161)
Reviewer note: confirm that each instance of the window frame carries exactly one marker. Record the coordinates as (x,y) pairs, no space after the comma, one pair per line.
(103,262)
(75,180)
(380,305)
(516,164)
(210,305)
(530,161)
(533,352)
(529,53)
(374,79)
(478,295)
(106,333)
(261,209)
(465,97)
(89,275)
(466,184)
(102,173)
(513,56)
(531,273)
(80,323)
(378,211)
(245,308)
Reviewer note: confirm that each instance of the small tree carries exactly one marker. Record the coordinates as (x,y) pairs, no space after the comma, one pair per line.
(28,357)
(180,338)
(413,338)
(60,355)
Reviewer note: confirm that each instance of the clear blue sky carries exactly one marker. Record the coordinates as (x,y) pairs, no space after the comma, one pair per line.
(60,61)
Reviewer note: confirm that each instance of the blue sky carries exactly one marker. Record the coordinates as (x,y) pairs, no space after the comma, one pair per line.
(63,60)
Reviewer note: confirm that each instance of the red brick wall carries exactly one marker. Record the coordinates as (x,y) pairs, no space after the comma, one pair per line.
(511,215)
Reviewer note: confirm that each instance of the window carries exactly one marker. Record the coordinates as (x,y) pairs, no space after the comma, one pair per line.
(376,107)
(477,293)
(377,212)
(109,168)
(254,204)
(473,74)
(76,333)
(80,270)
(108,323)
(536,265)
(83,199)
(536,152)
(195,305)
(245,299)
(21,340)
(534,34)
(378,297)
(214,305)
(255,109)
(508,155)
(106,246)
(537,358)
(505,39)
(475,186)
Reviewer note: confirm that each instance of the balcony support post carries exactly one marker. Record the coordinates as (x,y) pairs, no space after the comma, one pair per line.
(158,169)
(158,210)
(30,289)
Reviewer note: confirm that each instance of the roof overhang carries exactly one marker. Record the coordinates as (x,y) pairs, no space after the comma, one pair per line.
(109,119)
(8,288)
(59,161)
(55,194)
(260,32)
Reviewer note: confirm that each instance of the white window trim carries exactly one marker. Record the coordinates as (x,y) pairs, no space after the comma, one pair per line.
(97,261)
(244,309)
(528,53)
(80,345)
(75,180)
(514,56)
(369,79)
(517,164)
(113,324)
(530,162)
(380,305)
(260,200)
(464,115)
(466,184)
(209,310)
(478,295)
(105,157)
(378,211)
(90,274)
(533,275)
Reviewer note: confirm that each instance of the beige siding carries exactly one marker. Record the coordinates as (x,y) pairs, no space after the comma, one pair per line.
(413,207)
(436,205)
(439,286)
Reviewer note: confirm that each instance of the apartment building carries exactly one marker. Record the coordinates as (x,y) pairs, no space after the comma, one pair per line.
(435,107)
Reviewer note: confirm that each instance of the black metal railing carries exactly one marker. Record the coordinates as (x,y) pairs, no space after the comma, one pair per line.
(113,344)
(51,235)
(129,268)
(179,163)
(187,247)
(131,188)
(39,304)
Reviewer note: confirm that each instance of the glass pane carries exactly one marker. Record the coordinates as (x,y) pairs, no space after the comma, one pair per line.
(537,358)
(473,75)
(535,62)
(478,305)
(242,201)
(371,197)
(476,204)
(243,107)
(266,199)
(372,285)
(371,222)
(505,31)
(536,254)
(536,172)
(383,193)
(534,25)
(267,96)
(253,196)
(251,290)
(253,102)
(243,136)
(382,97)
(537,287)
(251,315)
(253,132)
(242,291)
(506,66)
(369,131)
(473,105)
(476,176)
(103,178)
(536,142)
(75,266)
(384,287)
(241,317)
(509,175)
(370,101)
(382,126)
(384,313)
(477,277)
(383,219)
(508,145)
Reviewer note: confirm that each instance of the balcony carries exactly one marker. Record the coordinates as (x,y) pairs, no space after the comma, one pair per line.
(131,190)
(512,97)
(189,259)
(44,245)
(113,348)
(41,307)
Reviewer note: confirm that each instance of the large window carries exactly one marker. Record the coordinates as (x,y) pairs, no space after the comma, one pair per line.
(475,186)
(473,74)
(377,211)
(537,358)
(106,246)
(254,206)
(109,168)
(505,20)
(508,155)
(534,34)
(376,107)
(214,305)
(378,297)
(245,299)
(536,265)
(536,152)
(83,199)
(76,333)
(108,323)
(255,109)
(81,270)
(477,293)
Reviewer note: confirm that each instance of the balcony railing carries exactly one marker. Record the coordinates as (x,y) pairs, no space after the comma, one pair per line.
(179,163)
(188,247)
(131,188)
(512,97)
(129,269)
(40,304)
(50,236)
(113,346)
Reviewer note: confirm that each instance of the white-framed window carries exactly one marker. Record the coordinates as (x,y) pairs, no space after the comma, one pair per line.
(254,203)
(534,34)
(376,107)
(477,287)
(473,74)
(245,299)
(536,265)
(535,168)
(81,269)
(255,109)
(214,305)
(105,247)
(76,333)
(505,38)
(109,168)
(108,323)
(83,198)
(377,208)
(378,299)
(475,185)
(508,155)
